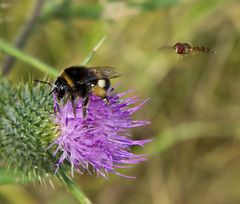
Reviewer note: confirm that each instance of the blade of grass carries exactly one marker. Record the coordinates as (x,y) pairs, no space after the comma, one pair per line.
(24,34)
(91,54)
(8,177)
(7,48)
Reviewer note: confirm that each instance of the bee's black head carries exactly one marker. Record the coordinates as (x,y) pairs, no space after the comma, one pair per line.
(60,88)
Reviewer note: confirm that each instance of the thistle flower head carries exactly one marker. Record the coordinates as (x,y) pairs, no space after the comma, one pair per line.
(100,142)
(26,130)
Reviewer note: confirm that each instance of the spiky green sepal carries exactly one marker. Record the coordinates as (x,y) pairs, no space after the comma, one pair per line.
(26,130)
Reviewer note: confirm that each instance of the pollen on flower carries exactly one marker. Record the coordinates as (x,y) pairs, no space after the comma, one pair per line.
(100,142)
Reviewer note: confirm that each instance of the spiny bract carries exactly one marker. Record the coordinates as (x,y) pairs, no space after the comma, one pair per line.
(26,130)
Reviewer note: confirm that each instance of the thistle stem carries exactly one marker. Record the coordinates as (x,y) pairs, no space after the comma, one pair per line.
(73,188)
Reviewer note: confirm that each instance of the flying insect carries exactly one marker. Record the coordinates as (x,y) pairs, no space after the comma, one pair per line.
(81,81)
(188,49)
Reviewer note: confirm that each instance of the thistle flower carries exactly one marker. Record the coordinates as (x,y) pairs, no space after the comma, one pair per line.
(101,142)
(26,130)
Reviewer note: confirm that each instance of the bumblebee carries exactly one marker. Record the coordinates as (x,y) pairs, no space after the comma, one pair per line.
(81,81)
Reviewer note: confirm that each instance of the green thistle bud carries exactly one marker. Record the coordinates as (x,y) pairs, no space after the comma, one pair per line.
(26,130)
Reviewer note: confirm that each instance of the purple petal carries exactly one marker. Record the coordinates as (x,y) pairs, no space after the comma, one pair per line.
(102,140)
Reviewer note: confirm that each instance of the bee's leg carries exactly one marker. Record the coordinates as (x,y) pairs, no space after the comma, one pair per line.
(101,92)
(66,99)
(105,99)
(84,106)
(73,105)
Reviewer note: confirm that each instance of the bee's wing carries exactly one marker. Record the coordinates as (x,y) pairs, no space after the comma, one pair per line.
(103,72)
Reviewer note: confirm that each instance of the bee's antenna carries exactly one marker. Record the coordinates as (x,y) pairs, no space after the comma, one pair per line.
(44,82)
(51,91)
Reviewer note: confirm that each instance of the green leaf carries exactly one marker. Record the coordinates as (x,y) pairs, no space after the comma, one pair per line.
(7,48)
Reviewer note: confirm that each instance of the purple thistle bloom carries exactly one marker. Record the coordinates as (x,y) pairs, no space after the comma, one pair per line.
(101,141)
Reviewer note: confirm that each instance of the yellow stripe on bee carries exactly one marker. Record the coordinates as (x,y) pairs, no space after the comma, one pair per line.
(67,78)
(98,91)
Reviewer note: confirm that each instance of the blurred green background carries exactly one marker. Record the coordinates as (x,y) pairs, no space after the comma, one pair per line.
(194,101)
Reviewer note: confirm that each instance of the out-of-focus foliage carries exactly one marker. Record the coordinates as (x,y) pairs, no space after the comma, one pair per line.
(194,106)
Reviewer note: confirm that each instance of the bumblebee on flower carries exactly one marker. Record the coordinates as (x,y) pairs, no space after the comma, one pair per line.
(80,81)
(99,138)
(102,140)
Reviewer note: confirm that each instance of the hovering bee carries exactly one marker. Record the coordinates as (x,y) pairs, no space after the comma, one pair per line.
(187,49)
(81,81)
